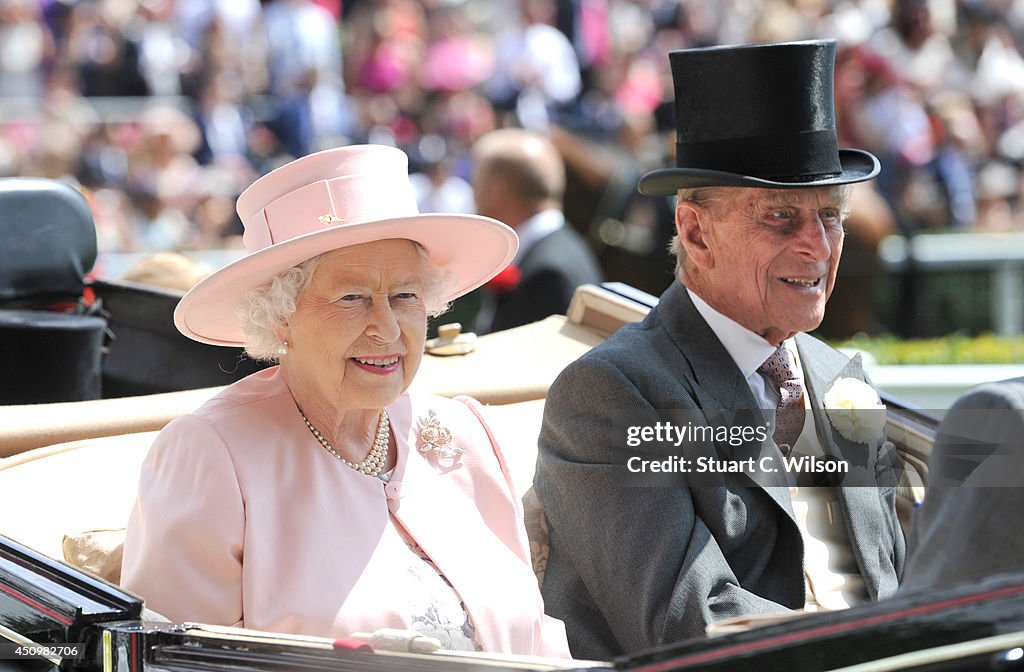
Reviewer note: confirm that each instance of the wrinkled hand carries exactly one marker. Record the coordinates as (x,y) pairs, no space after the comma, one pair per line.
(395,639)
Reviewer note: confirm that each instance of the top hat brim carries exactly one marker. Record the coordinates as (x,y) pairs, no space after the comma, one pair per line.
(858,166)
(472,248)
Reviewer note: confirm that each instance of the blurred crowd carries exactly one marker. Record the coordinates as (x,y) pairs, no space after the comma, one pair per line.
(162,111)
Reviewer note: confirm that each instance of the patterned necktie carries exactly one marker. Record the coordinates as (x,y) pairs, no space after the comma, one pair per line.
(789,417)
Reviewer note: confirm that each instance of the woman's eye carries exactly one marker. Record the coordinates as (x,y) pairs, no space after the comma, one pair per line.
(406,296)
(350,298)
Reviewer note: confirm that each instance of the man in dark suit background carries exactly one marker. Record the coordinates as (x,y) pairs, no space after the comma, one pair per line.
(519,179)
(639,560)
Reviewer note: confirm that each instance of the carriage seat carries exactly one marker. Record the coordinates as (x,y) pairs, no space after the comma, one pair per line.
(53,347)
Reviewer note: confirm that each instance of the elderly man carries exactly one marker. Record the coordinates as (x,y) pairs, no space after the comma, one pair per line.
(721,387)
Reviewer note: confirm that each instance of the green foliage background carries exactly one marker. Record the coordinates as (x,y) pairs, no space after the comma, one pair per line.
(953,349)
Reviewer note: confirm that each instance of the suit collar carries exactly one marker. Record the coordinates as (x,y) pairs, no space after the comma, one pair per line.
(747,349)
(717,377)
(536,228)
(823,366)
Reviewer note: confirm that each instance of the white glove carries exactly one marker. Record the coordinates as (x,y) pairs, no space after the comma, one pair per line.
(395,639)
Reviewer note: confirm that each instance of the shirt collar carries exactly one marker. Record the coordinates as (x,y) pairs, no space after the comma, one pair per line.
(543,223)
(746,348)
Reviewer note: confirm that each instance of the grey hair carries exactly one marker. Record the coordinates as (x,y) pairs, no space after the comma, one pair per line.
(702,196)
(265,310)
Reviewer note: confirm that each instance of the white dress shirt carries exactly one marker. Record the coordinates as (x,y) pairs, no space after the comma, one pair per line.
(748,350)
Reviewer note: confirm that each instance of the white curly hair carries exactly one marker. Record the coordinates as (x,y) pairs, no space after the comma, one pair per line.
(266,309)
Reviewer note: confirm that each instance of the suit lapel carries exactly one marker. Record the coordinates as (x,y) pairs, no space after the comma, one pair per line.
(823,366)
(719,383)
(860,501)
(720,389)
(819,375)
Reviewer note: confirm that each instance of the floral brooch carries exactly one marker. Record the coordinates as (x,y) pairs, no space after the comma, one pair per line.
(855,410)
(437,439)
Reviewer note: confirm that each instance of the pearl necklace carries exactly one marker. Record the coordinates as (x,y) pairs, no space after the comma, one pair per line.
(373,463)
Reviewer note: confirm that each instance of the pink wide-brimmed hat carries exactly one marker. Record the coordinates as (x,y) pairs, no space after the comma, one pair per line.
(333,199)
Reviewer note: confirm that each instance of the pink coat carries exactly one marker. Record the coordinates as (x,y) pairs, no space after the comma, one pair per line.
(242,518)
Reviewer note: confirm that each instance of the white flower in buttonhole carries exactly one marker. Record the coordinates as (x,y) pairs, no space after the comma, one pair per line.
(855,410)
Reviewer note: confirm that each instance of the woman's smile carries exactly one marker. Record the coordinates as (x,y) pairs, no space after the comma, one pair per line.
(381,365)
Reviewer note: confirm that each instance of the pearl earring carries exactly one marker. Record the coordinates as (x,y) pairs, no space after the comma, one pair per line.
(283,350)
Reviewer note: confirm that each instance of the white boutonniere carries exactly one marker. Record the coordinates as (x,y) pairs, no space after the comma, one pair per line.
(855,410)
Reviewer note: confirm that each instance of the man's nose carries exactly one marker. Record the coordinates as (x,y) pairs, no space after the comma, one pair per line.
(813,240)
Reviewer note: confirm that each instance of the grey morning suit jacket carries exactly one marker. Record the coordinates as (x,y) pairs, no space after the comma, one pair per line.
(639,563)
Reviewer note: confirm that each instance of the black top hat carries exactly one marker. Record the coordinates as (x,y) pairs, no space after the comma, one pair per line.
(757,115)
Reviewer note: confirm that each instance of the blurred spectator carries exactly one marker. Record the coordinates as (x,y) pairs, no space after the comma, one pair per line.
(162,53)
(999,190)
(305,74)
(519,179)
(223,120)
(536,71)
(224,38)
(214,217)
(890,118)
(956,138)
(26,49)
(163,178)
(437,188)
(386,44)
(456,57)
(98,46)
(920,53)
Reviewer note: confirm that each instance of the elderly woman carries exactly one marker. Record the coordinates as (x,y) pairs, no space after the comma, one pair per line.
(320,496)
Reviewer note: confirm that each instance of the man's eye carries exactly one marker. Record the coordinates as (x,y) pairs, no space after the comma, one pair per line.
(350,297)
(406,296)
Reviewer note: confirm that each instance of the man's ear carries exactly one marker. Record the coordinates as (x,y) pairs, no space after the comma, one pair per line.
(692,222)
